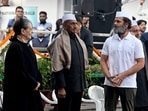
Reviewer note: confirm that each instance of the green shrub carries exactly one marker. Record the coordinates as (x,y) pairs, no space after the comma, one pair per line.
(44,65)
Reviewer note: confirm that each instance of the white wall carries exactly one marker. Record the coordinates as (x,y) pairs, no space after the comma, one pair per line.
(133,7)
(50,6)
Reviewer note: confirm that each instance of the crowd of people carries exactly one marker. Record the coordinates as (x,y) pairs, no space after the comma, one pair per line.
(76,39)
(123,61)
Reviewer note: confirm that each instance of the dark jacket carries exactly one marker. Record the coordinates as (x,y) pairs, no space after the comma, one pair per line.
(36,43)
(142,82)
(20,79)
(87,37)
(144,37)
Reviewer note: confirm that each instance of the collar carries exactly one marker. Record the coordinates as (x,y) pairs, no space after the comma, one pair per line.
(40,39)
(116,36)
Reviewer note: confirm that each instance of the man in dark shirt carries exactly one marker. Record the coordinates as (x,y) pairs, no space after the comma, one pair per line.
(86,35)
(69,60)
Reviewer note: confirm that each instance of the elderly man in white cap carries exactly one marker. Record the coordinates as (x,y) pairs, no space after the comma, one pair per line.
(69,60)
(135,29)
(122,56)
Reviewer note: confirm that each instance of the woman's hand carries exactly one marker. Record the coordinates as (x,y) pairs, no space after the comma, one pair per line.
(37,87)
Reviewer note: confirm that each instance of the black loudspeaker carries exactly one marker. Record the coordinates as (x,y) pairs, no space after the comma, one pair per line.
(77,7)
(87,7)
(83,7)
(103,15)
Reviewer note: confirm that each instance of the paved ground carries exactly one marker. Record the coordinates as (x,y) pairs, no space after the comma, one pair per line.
(84,107)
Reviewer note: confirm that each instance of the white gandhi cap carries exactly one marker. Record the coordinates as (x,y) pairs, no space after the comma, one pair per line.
(68,17)
(134,23)
(123,14)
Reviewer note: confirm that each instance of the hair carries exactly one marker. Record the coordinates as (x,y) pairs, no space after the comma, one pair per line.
(19,7)
(127,20)
(140,21)
(78,18)
(133,18)
(19,24)
(58,23)
(43,12)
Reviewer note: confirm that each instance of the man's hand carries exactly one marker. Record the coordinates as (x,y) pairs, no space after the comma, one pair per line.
(117,80)
(61,93)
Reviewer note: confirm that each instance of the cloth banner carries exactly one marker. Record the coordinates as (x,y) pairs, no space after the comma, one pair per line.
(7,13)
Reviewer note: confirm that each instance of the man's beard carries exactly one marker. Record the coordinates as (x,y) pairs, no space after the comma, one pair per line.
(120,30)
(42,21)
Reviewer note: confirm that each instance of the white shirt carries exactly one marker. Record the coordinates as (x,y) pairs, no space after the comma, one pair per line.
(121,56)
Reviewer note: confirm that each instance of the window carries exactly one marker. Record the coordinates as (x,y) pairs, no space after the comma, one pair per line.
(68,6)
